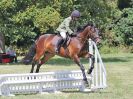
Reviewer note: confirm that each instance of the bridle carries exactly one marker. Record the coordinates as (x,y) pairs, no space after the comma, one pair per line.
(97,37)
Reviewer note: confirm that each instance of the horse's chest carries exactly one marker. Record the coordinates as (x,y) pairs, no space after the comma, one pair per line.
(76,48)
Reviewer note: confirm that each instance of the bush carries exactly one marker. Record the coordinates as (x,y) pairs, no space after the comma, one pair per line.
(107,50)
(123,27)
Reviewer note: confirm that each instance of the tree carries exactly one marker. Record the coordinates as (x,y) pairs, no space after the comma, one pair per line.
(22,20)
(123,27)
(2,42)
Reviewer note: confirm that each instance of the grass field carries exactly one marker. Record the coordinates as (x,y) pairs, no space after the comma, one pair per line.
(119,78)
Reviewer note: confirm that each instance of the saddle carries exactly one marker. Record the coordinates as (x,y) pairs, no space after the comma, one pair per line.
(66,43)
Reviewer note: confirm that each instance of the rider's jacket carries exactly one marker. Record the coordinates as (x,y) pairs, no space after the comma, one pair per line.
(68,25)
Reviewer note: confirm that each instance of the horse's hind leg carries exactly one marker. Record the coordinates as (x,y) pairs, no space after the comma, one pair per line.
(45,58)
(36,60)
(33,65)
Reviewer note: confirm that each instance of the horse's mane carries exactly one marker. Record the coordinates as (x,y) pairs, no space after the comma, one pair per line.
(80,29)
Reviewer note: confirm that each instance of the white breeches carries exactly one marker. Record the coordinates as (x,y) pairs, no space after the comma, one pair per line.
(63,34)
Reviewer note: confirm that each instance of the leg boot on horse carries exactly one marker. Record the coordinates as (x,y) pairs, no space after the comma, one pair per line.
(92,64)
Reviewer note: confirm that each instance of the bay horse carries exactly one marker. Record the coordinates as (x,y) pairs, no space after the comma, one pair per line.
(45,47)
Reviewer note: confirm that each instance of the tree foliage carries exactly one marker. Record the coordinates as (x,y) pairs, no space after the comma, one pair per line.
(44,18)
(22,20)
(122,25)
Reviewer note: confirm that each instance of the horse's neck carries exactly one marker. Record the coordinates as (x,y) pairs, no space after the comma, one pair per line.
(83,35)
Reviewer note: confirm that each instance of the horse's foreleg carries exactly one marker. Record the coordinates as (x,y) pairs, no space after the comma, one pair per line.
(77,61)
(90,56)
(92,64)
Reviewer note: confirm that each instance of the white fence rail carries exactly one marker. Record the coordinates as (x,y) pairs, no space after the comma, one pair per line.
(41,82)
(11,84)
(99,72)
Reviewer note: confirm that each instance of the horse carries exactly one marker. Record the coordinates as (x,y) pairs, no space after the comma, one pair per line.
(45,47)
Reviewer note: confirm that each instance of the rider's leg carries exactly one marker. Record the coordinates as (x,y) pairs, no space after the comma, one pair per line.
(60,41)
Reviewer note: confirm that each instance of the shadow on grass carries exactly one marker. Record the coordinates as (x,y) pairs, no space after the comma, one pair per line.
(68,62)
(101,91)
(69,92)
(118,59)
(65,61)
(115,59)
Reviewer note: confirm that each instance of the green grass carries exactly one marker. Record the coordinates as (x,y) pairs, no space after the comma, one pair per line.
(119,78)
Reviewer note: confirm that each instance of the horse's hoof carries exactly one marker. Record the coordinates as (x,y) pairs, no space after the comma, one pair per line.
(89,72)
(86,84)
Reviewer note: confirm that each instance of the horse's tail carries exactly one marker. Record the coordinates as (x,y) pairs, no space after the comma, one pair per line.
(29,56)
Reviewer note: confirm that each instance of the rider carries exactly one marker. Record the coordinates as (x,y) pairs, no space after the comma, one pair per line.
(64,28)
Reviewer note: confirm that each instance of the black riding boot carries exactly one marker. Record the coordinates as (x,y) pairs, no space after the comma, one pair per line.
(58,46)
